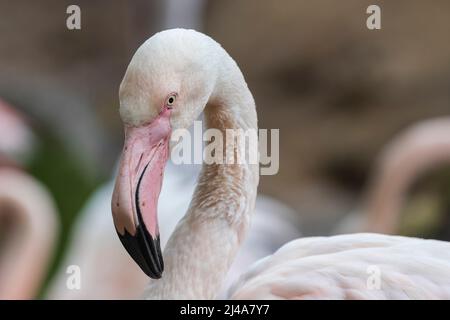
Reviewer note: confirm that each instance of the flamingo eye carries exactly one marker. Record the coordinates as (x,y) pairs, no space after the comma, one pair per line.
(171,100)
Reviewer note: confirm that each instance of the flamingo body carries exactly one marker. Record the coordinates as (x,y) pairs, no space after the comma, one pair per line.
(341,267)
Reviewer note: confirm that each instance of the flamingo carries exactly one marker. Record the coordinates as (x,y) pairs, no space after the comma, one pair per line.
(414,151)
(171,79)
(28,215)
(94,237)
(28,238)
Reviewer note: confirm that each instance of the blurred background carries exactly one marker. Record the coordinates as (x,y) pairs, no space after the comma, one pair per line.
(338,92)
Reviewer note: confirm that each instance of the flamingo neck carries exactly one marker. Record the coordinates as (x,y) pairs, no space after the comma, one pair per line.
(403,162)
(29,213)
(203,246)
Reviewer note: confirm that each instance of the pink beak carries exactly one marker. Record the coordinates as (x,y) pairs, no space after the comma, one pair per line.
(138,184)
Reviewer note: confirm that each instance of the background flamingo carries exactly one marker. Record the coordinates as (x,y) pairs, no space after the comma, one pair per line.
(28,232)
(28,216)
(411,154)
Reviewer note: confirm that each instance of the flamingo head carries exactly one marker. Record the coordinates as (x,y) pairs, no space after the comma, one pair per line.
(166,86)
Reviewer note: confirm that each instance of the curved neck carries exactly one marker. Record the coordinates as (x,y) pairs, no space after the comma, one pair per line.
(27,243)
(402,163)
(203,246)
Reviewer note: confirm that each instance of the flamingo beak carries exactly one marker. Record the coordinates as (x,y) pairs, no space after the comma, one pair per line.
(135,197)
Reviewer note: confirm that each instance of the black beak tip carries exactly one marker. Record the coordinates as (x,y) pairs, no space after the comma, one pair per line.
(145,251)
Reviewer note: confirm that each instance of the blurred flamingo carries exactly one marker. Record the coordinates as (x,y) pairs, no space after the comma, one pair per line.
(28,216)
(93,243)
(412,153)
